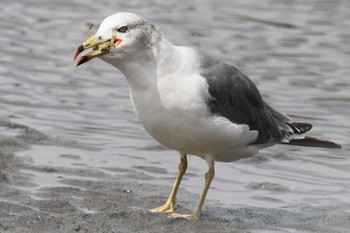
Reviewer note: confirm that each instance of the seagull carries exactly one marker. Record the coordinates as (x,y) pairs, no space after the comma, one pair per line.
(189,101)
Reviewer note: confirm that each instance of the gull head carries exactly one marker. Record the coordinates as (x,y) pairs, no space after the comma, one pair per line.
(119,37)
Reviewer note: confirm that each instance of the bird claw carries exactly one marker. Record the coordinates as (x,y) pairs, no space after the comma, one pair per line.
(192,216)
(167,207)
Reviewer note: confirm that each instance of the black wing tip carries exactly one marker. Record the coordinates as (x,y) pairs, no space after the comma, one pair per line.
(300,127)
(314,142)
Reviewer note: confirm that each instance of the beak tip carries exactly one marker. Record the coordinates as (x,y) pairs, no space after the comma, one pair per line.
(76,54)
(78,51)
(82,60)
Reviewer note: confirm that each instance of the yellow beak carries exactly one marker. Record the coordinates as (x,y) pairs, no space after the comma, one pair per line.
(99,48)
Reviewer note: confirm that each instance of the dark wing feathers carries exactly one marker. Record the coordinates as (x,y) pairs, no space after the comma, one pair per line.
(313,142)
(234,96)
(299,128)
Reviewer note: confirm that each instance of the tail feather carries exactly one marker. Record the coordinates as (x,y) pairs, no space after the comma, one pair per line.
(312,142)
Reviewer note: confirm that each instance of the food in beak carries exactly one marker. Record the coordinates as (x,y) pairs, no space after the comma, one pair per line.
(98,45)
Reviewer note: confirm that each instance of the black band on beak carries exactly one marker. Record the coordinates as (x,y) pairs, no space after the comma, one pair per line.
(78,51)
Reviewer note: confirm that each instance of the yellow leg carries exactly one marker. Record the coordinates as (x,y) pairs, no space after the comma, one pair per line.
(197,212)
(170,203)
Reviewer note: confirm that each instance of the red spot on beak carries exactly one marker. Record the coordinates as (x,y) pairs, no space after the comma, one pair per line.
(78,51)
(76,54)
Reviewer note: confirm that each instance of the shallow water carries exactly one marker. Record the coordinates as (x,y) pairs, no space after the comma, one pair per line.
(297,52)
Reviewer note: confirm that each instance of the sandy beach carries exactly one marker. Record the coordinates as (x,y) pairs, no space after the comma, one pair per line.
(92,201)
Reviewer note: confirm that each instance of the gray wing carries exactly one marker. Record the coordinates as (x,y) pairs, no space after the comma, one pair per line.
(234,96)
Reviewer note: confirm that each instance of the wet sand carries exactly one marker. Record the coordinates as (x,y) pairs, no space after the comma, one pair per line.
(92,201)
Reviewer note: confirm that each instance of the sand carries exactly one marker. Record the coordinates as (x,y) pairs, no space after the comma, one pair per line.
(92,201)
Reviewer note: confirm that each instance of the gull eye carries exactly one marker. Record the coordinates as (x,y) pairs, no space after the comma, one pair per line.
(122,29)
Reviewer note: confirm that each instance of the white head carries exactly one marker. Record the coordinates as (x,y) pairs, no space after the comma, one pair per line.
(120,36)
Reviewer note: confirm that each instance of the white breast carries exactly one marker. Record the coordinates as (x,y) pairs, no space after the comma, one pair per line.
(175,113)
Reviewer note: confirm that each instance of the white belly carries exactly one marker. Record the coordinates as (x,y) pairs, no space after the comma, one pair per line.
(172,107)
(179,119)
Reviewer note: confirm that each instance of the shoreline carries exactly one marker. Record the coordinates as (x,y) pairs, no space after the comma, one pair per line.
(89,200)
